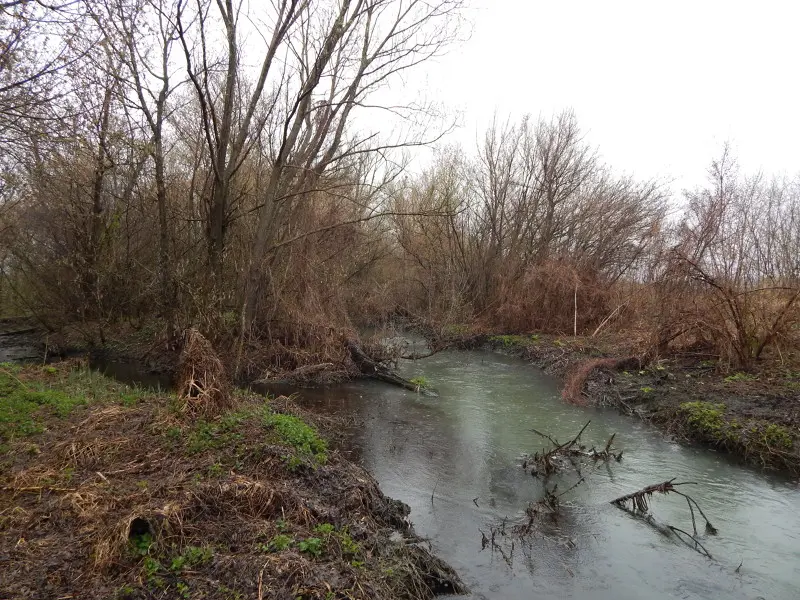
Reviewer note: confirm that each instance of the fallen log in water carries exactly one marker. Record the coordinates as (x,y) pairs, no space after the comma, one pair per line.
(376,369)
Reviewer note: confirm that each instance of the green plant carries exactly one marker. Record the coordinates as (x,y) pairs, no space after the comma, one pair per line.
(182,589)
(705,417)
(230,593)
(141,543)
(740,377)
(213,435)
(313,546)
(215,470)
(298,434)
(509,341)
(421,382)
(151,566)
(775,436)
(646,389)
(325,529)
(349,546)
(192,556)
(278,543)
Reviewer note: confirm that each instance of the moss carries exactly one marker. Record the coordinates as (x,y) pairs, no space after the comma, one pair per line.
(705,418)
(709,422)
(775,436)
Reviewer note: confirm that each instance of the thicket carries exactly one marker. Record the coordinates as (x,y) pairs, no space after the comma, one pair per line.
(241,170)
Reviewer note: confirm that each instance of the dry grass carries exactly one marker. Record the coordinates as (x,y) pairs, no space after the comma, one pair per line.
(577,376)
(73,515)
(202,382)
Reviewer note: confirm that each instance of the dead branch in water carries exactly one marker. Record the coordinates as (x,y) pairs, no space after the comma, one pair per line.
(639,501)
(376,369)
(638,504)
(546,463)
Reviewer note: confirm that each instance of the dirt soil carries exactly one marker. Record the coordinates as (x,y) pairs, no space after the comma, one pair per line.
(754,416)
(130,499)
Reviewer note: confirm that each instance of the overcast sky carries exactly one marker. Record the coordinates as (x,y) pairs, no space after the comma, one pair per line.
(657,86)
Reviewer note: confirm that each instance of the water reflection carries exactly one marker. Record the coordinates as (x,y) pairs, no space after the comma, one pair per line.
(464,445)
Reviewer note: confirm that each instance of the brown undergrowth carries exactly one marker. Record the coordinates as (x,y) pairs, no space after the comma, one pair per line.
(137,501)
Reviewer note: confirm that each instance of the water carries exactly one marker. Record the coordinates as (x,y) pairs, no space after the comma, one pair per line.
(465,444)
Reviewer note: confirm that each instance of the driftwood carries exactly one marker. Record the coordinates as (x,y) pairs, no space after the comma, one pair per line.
(376,369)
(639,502)
(299,375)
(546,463)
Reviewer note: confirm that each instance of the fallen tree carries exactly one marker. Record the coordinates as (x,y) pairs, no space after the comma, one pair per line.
(375,368)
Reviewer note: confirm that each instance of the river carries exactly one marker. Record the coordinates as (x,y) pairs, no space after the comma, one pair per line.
(455,460)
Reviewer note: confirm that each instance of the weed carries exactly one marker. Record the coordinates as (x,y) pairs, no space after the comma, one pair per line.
(230,593)
(740,377)
(279,543)
(182,589)
(299,435)
(775,436)
(141,543)
(646,390)
(22,405)
(192,556)
(324,529)
(212,435)
(705,417)
(313,546)
(151,566)
(421,382)
(349,546)
(215,470)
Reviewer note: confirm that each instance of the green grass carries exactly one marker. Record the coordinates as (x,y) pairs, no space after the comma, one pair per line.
(32,393)
(293,432)
(212,435)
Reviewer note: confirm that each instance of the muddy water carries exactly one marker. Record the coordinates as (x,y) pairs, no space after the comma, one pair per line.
(465,445)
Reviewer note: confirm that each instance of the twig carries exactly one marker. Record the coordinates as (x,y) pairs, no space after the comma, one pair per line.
(694,539)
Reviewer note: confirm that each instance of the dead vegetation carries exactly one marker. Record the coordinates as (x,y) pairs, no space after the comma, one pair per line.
(567,455)
(640,506)
(201,380)
(136,501)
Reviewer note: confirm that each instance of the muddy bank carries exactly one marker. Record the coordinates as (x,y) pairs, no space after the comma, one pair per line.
(108,492)
(754,416)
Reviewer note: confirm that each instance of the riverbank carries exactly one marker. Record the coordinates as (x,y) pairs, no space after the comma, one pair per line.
(111,492)
(754,416)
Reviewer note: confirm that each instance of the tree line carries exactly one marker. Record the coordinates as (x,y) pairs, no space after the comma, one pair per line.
(241,168)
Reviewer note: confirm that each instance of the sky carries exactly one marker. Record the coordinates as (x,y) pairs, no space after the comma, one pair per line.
(658,87)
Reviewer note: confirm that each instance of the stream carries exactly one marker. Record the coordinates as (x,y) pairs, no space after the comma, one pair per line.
(437,454)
